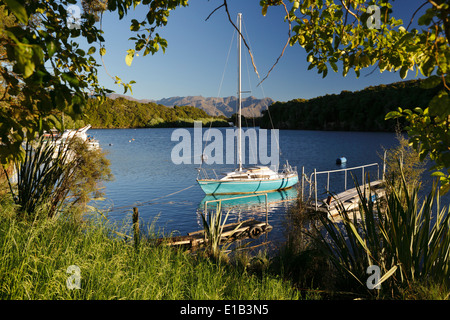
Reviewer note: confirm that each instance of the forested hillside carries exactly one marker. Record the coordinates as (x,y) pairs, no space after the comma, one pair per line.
(215,106)
(351,111)
(123,113)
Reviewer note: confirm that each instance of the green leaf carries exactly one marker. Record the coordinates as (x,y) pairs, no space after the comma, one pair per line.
(19,10)
(418,110)
(438,174)
(445,187)
(135,26)
(80,52)
(264,10)
(129,57)
(51,48)
(102,51)
(403,72)
(91,50)
(428,67)
(392,115)
(70,78)
(334,66)
(24,54)
(28,69)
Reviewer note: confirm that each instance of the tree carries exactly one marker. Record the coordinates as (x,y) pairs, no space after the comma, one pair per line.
(357,34)
(43,70)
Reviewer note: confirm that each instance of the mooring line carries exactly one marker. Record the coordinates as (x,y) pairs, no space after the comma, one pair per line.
(150,201)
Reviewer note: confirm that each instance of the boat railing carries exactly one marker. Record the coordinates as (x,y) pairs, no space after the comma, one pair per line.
(313,178)
(206,174)
(288,169)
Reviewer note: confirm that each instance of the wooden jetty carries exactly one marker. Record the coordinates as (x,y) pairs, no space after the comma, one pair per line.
(250,228)
(350,200)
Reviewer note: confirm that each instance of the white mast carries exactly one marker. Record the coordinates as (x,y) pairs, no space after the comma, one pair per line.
(239,92)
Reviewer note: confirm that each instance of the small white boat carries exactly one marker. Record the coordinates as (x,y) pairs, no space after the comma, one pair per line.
(61,140)
(80,133)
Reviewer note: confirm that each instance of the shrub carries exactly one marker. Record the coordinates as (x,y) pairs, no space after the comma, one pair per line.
(56,174)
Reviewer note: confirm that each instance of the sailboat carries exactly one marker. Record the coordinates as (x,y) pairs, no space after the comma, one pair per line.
(255,179)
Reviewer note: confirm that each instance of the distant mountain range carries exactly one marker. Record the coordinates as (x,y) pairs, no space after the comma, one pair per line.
(251,106)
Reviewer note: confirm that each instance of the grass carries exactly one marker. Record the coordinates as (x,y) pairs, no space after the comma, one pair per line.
(36,255)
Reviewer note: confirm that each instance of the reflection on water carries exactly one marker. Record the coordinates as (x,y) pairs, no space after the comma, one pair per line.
(248,202)
(262,207)
(256,206)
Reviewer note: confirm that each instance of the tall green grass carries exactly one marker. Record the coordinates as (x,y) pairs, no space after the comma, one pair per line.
(35,256)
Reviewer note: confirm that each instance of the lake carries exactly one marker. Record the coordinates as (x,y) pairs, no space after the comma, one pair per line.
(168,196)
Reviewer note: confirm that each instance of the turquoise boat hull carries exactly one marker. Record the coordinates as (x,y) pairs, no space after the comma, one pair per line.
(247,186)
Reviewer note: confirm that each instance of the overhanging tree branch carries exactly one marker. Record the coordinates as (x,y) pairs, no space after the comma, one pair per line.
(225,4)
(285,46)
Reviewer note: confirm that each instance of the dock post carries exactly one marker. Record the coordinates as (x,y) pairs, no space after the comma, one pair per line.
(267,209)
(363,179)
(345,180)
(303,180)
(328,181)
(315,187)
(310,185)
(136,234)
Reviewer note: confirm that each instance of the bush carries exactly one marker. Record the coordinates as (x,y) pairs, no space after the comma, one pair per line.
(54,175)
(403,157)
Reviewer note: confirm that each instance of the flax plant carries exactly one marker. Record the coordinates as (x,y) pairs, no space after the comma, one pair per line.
(213,229)
(52,175)
(408,241)
(39,175)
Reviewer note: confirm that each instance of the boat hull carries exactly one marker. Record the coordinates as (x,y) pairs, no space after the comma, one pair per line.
(247,186)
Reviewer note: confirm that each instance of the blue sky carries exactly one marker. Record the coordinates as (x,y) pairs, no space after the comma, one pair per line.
(196,56)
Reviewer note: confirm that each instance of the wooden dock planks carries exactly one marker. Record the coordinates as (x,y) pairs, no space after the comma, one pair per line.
(248,228)
(349,199)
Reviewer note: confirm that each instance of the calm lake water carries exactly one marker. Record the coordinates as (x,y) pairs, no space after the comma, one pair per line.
(168,195)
